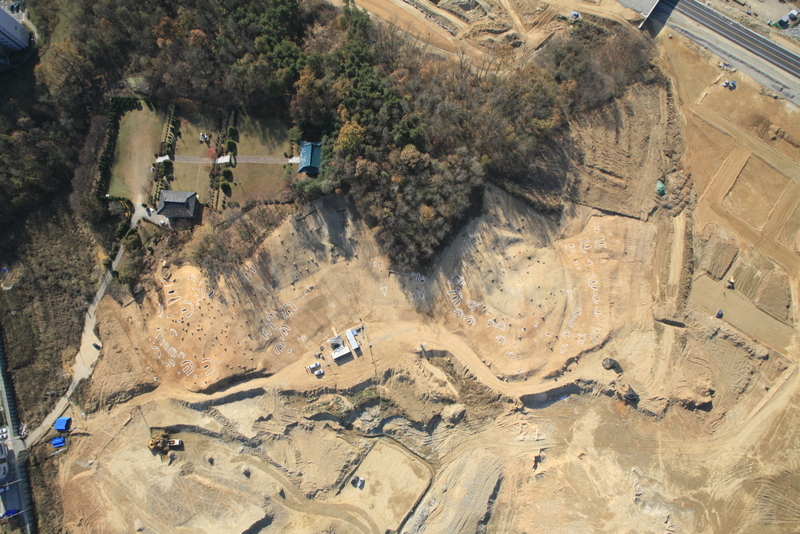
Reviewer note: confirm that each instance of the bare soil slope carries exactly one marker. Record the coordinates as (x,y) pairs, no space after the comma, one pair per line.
(456,417)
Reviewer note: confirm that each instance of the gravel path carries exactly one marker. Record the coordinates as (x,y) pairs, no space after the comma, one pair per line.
(238,159)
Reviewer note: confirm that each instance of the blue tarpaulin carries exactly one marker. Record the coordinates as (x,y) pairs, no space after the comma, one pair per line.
(62,424)
(58,442)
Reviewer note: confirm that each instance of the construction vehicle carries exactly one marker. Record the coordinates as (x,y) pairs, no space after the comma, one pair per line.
(173,443)
(159,444)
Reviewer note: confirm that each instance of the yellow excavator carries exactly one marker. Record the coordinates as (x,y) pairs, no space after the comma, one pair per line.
(159,444)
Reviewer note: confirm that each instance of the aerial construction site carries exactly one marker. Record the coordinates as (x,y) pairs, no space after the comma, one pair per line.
(627,364)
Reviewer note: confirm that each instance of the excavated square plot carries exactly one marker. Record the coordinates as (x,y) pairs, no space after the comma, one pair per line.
(755,191)
(394,480)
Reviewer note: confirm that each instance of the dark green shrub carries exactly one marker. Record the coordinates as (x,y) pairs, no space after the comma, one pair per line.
(122,229)
(92,210)
(128,275)
(295,135)
(132,242)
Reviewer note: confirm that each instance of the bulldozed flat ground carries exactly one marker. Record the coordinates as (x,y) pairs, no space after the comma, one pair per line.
(477,401)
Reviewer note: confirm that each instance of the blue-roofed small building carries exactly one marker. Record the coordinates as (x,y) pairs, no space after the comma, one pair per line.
(62,424)
(310,157)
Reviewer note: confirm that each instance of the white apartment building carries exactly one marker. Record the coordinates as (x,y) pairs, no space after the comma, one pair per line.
(13,35)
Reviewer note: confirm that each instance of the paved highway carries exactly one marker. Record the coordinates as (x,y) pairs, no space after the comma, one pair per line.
(762,47)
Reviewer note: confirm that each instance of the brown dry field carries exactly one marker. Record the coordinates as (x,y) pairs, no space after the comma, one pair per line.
(478,401)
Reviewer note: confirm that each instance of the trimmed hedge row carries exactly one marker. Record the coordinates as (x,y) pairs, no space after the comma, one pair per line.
(164,170)
(173,123)
(161,183)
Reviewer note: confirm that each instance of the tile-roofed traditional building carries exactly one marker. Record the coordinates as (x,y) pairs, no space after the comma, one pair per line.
(177,204)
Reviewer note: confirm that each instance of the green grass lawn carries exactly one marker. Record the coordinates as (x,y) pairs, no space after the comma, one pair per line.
(262,137)
(256,181)
(139,136)
(191,125)
(257,137)
(190,177)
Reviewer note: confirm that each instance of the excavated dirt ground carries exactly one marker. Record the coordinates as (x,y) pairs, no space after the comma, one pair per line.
(478,401)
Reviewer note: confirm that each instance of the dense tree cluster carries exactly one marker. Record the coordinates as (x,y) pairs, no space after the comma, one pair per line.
(225,53)
(595,63)
(36,152)
(377,99)
(228,53)
(415,137)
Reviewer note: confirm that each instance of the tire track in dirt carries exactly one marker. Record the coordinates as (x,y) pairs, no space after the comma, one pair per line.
(519,26)
(725,177)
(349,514)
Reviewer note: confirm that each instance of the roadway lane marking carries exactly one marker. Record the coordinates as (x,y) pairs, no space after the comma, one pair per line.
(713,18)
(740,35)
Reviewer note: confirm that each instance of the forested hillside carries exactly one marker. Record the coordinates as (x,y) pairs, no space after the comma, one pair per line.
(411,134)
(37,146)
(401,124)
